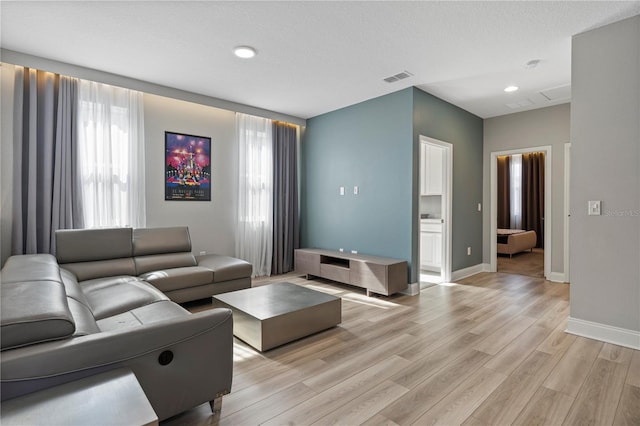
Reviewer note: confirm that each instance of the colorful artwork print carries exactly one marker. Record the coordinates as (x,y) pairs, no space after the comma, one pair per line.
(187,167)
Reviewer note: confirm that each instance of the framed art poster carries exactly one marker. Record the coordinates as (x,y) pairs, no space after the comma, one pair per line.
(187,167)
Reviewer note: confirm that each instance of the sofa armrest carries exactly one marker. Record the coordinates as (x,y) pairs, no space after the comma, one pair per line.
(201,366)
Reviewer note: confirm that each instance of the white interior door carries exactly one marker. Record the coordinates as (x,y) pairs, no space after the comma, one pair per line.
(442,244)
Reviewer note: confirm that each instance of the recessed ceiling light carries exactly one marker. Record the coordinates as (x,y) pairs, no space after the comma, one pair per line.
(244,52)
(509,89)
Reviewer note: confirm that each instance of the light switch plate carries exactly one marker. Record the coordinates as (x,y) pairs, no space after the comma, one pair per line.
(342,190)
(594,208)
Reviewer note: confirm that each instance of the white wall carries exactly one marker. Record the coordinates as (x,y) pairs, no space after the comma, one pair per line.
(545,126)
(605,166)
(211,223)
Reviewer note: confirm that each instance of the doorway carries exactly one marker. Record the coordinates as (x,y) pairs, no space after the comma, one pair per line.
(546,255)
(436,168)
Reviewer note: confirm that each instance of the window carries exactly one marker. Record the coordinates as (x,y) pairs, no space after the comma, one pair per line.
(515,188)
(111,155)
(256,177)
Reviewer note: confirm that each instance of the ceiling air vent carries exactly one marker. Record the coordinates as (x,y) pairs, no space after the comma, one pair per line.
(399,76)
(557,93)
(520,104)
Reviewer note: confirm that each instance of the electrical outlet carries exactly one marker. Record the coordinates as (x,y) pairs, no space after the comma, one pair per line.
(341,250)
(356,190)
(354,251)
(202,253)
(479,207)
(468,251)
(342,190)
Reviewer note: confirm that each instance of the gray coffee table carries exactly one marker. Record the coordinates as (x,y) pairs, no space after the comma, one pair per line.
(272,315)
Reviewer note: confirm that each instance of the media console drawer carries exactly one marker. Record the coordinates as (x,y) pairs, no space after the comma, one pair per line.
(334,272)
(375,274)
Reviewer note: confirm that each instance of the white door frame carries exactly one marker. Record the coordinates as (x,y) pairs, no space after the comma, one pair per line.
(547,205)
(567,211)
(447,197)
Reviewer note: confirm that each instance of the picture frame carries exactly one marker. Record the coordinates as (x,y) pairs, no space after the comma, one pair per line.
(187,159)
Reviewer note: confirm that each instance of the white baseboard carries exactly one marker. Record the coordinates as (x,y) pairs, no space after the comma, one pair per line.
(471,270)
(412,290)
(556,277)
(606,333)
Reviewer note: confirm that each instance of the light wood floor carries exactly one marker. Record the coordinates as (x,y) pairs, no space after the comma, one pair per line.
(489,350)
(530,263)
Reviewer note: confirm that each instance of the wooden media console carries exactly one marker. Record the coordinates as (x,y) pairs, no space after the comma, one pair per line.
(375,274)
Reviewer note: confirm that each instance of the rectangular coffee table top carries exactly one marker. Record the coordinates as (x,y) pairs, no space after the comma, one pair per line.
(272,300)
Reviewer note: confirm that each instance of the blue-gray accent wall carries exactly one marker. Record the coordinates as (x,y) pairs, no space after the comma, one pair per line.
(366,145)
(375,145)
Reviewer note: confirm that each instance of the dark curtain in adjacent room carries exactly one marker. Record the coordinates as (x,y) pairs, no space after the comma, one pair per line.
(533,194)
(44,195)
(504,193)
(285,197)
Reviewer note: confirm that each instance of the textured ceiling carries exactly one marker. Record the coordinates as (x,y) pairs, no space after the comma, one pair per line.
(315,57)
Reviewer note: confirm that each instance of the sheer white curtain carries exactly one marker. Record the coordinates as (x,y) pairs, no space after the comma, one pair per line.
(515,188)
(111,155)
(254,234)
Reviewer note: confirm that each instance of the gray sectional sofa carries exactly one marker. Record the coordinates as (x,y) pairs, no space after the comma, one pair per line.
(104,302)
(159,256)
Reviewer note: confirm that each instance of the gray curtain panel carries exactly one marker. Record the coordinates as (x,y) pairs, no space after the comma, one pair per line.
(44,162)
(285,197)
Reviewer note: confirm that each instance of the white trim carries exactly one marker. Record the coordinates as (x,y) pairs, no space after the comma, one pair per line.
(447,204)
(567,211)
(412,290)
(557,277)
(471,270)
(606,333)
(493,205)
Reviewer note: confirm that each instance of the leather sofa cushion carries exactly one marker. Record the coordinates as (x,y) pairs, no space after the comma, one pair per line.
(84,245)
(157,262)
(30,267)
(225,268)
(159,311)
(101,268)
(148,241)
(177,278)
(115,295)
(34,312)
